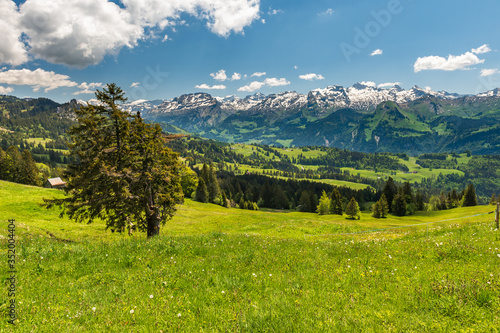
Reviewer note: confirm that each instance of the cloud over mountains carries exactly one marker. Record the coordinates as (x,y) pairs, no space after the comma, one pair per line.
(88,30)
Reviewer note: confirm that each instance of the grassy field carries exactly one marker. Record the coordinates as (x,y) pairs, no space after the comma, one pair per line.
(215,269)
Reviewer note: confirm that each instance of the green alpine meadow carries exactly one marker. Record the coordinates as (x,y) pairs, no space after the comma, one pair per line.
(219,269)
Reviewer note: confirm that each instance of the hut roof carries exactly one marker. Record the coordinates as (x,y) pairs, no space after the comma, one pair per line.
(56,181)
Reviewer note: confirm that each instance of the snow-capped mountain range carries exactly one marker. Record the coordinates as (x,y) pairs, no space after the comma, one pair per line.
(358,97)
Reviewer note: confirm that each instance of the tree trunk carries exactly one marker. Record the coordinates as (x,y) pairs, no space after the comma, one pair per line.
(153,224)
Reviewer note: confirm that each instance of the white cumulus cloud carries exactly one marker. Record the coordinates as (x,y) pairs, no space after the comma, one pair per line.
(12,49)
(80,33)
(377,52)
(369,83)
(135,84)
(451,63)
(236,77)
(311,76)
(389,84)
(271,82)
(485,48)
(38,79)
(6,90)
(77,32)
(220,75)
(206,86)
(222,16)
(274,82)
(87,88)
(488,72)
(259,74)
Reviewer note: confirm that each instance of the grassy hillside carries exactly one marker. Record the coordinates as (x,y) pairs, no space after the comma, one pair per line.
(215,269)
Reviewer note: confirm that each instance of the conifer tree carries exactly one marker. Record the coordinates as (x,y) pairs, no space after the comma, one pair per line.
(376,210)
(390,190)
(201,191)
(399,204)
(336,202)
(352,209)
(212,185)
(125,175)
(304,202)
(384,206)
(224,199)
(28,170)
(469,196)
(419,199)
(324,204)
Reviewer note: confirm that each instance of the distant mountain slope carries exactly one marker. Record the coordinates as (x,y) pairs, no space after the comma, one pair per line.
(40,117)
(361,117)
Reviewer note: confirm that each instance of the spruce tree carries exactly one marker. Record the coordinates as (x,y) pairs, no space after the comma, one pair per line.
(304,202)
(125,175)
(224,200)
(201,191)
(384,206)
(336,202)
(399,204)
(470,196)
(352,209)
(408,192)
(390,190)
(419,201)
(28,170)
(376,210)
(324,204)
(212,185)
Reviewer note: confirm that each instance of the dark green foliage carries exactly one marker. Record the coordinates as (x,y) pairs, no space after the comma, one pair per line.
(493,200)
(28,171)
(399,204)
(224,199)
(201,191)
(380,208)
(419,201)
(377,210)
(212,185)
(390,190)
(304,202)
(352,209)
(384,206)
(18,167)
(336,202)
(280,199)
(469,197)
(125,175)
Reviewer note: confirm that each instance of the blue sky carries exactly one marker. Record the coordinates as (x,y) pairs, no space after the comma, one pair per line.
(156,49)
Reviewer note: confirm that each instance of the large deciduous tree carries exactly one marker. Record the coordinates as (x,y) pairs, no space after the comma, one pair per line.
(124,175)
